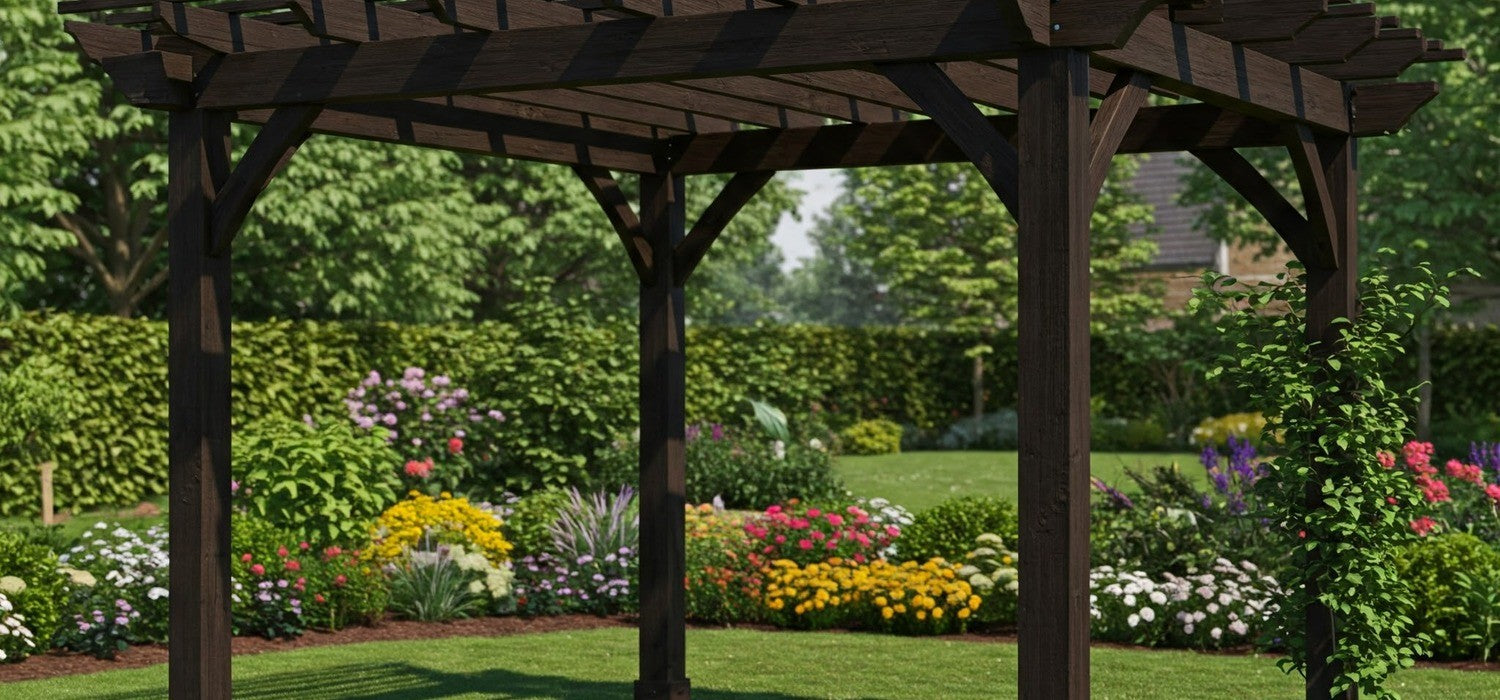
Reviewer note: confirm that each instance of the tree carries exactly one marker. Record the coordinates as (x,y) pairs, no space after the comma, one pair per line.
(835,288)
(942,241)
(1429,192)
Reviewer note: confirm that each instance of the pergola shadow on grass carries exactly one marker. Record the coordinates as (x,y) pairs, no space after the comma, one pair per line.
(753,87)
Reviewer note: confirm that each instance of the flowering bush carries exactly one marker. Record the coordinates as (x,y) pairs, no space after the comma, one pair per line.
(807,534)
(440,436)
(443,520)
(36,591)
(16,639)
(991,570)
(342,588)
(1228,606)
(723,569)
(446,582)
(906,598)
(883,513)
(268,580)
(548,585)
(1459,497)
(113,563)
(103,631)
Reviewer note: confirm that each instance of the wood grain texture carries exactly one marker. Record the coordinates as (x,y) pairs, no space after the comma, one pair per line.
(965,125)
(1285,219)
(663,645)
(1383,108)
(1317,200)
(736,194)
(1154,130)
(1053,392)
(1111,123)
(627,225)
(839,35)
(198,393)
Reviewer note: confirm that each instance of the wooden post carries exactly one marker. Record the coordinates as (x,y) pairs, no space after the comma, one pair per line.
(48,517)
(663,492)
(198,413)
(1332,293)
(1053,251)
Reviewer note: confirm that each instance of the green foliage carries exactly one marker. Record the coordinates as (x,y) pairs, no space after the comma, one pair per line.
(1335,408)
(528,527)
(1128,435)
(949,529)
(322,484)
(434,587)
(871,437)
(1216,431)
(738,470)
(1443,571)
(42,592)
(37,406)
(992,431)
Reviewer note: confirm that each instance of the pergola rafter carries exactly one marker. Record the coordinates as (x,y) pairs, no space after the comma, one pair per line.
(667,89)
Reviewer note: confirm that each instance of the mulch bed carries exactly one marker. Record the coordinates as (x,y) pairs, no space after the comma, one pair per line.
(61,663)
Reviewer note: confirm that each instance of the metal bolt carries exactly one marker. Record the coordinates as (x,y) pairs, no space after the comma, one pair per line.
(1056,27)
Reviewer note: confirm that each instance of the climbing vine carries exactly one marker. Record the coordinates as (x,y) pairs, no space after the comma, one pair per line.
(1326,495)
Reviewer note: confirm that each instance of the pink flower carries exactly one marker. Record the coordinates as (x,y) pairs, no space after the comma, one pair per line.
(1423,525)
(421,470)
(246,557)
(1391,500)
(455,445)
(1493,491)
(1386,459)
(781,539)
(340,580)
(773,510)
(292,565)
(818,535)
(257,569)
(835,519)
(893,531)
(319,597)
(805,544)
(281,552)
(799,523)
(1418,456)
(832,545)
(813,512)
(1454,468)
(303,546)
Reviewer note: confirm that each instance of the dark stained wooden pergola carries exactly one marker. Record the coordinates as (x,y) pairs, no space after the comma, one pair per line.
(671,88)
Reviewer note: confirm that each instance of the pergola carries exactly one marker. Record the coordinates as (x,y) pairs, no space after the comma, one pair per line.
(675,88)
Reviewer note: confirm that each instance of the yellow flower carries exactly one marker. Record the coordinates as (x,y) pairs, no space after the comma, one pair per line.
(880,600)
(900,608)
(937,613)
(887,613)
(963,613)
(921,614)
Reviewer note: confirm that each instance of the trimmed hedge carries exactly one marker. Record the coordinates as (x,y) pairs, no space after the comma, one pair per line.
(568,389)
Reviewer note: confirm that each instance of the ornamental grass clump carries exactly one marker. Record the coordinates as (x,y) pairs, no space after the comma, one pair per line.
(906,598)
(593,564)
(808,534)
(443,520)
(445,582)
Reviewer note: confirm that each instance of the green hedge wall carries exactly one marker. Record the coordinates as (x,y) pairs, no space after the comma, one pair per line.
(567,389)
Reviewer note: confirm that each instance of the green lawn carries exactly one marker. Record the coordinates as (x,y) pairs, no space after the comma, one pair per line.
(723,664)
(921,480)
(74,526)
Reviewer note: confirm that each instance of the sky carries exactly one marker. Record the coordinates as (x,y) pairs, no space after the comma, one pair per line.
(821,188)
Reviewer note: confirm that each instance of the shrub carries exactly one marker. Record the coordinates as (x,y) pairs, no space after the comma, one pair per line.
(1228,606)
(528,527)
(992,431)
(991,570)
(807,534)
(593,564)
(949,529)
(1431,567)
(871,437)
(35,590)
(268,580)
(723,571)
(343,589)
(422,519)
(1128,435)
(15,636)
(1213,432)
(442,440)
(741,469)
(446,582)
(113,563)
(103,630)
(322,484)
(906,598)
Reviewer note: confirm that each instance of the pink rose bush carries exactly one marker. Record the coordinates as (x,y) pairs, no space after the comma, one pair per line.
(807,534)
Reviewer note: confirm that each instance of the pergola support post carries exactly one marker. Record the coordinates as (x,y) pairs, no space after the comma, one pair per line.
(198,414)
(1054,149)
(663,491)
(1332,293)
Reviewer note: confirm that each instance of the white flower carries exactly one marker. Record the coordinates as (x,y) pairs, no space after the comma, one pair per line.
(778,449)
(1158,597)
(157,593)
(1213,608)
(1239,627)
(1129,600)
(818,445)
(1148,614)
(1187,628)
(1216,633)
(1133,620)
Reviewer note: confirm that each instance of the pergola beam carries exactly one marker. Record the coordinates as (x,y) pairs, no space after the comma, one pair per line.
(636,50)
(627,225)
(736,194)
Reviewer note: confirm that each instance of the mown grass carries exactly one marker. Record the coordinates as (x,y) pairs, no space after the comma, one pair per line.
(723,664)
(920,480)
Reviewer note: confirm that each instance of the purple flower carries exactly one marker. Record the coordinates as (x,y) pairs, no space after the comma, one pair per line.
(717,432)
(122,621)
(1117,498)
(389,419)
(692,432)
(496,415)
(263,597)
(441,380)
(1209,457)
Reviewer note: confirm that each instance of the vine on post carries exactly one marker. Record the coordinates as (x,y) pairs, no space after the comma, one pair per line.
(1334,410)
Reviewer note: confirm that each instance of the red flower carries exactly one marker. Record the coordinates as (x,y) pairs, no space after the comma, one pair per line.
(319,597)
(246,557)
(257,569)
(281,552)
(340,580)
(303,546)
(1302,534)
(455,445)
(1423,525)
(1493,491)
(1391,500)
(292,565)
(421,470)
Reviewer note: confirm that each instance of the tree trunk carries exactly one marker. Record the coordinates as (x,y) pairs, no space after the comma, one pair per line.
(1424,378)
(976,384)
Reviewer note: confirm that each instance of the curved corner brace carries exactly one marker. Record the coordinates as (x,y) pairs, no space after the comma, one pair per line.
(268,154)
(735,195)
(622,217)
